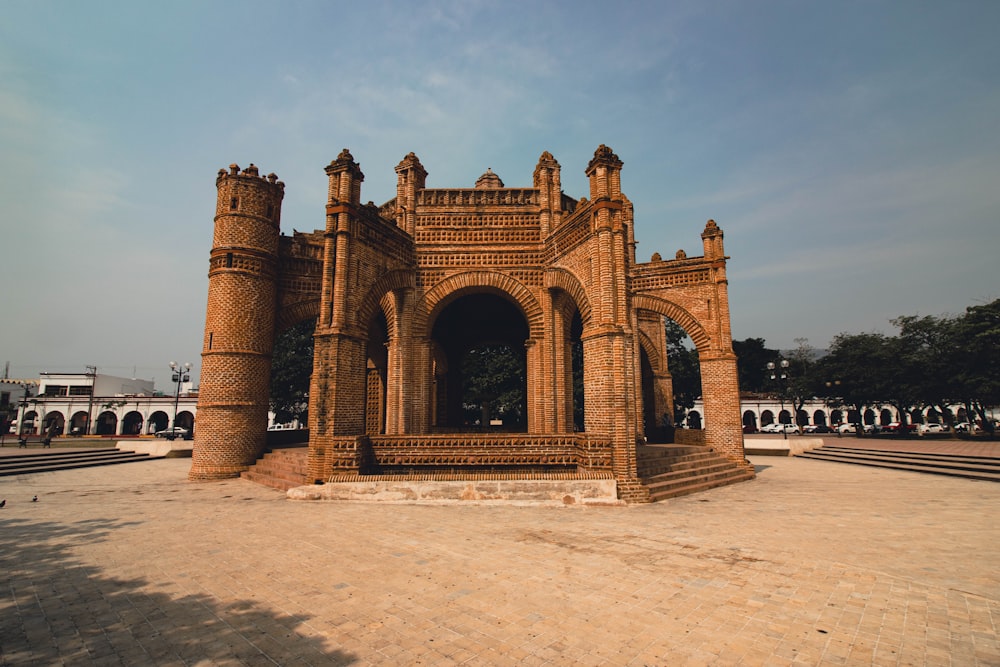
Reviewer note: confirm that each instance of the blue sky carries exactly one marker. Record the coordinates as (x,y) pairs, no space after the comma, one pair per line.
(849,150)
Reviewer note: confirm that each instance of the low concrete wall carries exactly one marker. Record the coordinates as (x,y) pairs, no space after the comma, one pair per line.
(501,492)
(178,449)
(779,446)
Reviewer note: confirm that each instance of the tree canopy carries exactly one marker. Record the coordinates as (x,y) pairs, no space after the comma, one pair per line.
(291,369)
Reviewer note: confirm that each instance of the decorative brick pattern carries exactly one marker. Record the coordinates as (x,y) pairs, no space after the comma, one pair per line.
(377,278)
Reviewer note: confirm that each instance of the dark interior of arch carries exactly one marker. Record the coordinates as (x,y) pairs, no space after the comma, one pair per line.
(483,337)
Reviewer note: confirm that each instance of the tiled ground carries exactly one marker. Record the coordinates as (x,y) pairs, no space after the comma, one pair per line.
(812,563)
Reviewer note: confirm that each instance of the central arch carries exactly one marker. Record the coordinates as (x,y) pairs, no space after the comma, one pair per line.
(480,364)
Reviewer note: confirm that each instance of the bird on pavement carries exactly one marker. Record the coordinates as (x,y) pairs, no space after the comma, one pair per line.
(34,499)
(3,503)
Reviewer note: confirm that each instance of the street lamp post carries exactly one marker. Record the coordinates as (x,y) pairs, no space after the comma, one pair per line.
(22,439)
(179,375)
(779,373)
(829,387)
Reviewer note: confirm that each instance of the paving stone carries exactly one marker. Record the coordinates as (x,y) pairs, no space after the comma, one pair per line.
(811,563)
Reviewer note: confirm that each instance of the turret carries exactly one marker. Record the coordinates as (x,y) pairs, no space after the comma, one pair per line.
(239,324)
(604,172)
(410,177)
(711,238)
(547,181)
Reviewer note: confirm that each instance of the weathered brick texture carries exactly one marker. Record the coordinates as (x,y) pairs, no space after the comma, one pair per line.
(379,279)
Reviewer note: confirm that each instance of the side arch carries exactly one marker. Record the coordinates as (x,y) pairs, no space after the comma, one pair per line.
(692,326)
(291,314)
(564,280)
(376,300)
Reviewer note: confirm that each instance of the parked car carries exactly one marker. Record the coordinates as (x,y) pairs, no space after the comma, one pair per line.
(173,433)
(816,428)
(895,426)
(932,428)
(779,428)
(963,427)
(848,428)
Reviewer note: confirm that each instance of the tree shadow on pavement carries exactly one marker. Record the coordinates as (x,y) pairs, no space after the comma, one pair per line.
(56,610)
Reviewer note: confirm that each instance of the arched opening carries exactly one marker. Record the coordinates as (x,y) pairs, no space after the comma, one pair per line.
(377,368)
(107,422)
(801,417)
(749,421)
(766,417)
(132,423)
(185,420)
(55,423)
(158,421)
(28,424)
(481,364)
(885,417)
(291,370)
(576,355)
(819,418)
(78,424)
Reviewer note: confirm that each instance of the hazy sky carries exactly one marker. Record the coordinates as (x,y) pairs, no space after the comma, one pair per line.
(849,150)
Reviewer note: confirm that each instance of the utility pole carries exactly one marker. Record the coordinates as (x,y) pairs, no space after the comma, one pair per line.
(92,374)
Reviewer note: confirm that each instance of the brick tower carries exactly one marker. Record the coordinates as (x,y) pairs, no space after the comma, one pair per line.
(239,324)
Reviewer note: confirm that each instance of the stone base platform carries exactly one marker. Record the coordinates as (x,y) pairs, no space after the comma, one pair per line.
(176,449)
(552,490)
(794,445)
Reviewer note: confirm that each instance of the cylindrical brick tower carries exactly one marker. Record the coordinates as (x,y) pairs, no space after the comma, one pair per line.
(239,324)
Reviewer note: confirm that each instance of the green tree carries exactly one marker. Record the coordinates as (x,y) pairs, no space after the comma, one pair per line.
(929,345)
(977,337)
(752,357)
(685,370)
(800,384)
(291,368)
(494,385)
(854,367)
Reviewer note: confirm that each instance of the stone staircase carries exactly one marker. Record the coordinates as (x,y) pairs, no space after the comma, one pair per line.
(282,469)
(67,459)
(669,471)
(970,467)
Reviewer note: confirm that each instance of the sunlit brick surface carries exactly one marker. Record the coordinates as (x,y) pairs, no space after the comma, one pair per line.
(377,278)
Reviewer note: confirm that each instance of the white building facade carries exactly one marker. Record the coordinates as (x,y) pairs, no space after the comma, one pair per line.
(760,411)
(80,404)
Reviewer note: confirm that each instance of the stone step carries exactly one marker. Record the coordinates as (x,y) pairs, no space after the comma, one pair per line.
(967,467)
(669,471)
(696,483)
(281,469)
(651,468)
(35,463)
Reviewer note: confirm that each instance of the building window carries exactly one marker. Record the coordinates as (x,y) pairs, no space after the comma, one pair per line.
(234,204)
(229,260)
(84,390)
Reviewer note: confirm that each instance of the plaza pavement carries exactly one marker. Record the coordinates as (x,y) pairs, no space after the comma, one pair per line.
(812,563)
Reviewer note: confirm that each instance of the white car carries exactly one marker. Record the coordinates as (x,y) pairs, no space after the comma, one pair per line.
(778,428)
(932,428)
(963,427)
(173,433)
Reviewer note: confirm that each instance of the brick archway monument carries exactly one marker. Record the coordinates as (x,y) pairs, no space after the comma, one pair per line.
(401,291)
